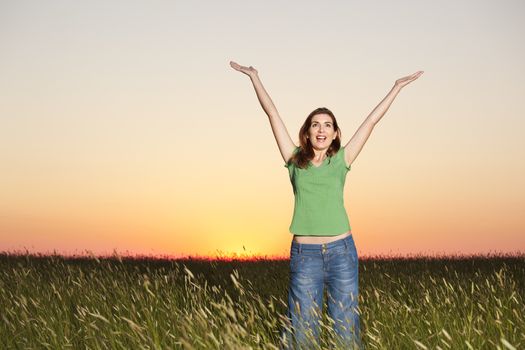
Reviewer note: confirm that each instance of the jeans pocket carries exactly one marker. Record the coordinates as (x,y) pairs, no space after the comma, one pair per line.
(351,251)
(294,260)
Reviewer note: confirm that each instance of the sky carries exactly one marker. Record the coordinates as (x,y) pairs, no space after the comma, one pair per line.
(124,129)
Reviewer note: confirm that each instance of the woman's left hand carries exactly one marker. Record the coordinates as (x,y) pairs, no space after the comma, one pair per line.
(408,79)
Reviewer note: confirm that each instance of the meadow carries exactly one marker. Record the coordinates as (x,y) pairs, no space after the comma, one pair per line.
(55,302)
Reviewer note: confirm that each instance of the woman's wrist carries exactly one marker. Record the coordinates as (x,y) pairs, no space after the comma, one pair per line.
(396,88)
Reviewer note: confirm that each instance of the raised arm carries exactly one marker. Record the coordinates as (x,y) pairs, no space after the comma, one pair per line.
(284,141)
(356,143)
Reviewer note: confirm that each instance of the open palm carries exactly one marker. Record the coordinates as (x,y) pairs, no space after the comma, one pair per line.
(408,79)
(246,70)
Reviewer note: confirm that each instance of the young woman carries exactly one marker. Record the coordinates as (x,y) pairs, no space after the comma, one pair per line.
(323,251)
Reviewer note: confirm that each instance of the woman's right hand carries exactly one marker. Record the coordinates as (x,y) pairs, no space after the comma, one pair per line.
(250,71)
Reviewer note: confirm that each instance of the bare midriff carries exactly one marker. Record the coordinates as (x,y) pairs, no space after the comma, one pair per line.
(319,239)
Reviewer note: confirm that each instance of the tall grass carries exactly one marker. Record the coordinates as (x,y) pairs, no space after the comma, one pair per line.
(56,302)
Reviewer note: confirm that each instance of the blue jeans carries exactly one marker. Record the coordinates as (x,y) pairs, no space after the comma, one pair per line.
(312,266)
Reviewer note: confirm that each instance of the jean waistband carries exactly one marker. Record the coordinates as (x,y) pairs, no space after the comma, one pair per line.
(323,246)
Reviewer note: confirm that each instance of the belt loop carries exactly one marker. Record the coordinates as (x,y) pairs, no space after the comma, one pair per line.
(346,244)
(300,246)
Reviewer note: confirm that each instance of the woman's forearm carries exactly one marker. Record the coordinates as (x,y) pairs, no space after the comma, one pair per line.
(262,95)
(380,110)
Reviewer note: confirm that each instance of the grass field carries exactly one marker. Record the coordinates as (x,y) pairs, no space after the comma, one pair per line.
(132,303)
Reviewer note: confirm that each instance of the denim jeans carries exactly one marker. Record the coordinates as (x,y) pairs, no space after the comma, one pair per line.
(312,266)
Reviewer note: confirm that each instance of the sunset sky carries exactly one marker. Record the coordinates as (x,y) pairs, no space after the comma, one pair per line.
(123,127)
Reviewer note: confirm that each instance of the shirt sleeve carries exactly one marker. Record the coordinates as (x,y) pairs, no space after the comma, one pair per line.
(286,165)
(347,167)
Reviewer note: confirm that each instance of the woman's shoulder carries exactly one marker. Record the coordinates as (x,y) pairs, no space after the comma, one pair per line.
(341,155)
(287,164)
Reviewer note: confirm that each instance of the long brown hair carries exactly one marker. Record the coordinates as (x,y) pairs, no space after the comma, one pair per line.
(306,151)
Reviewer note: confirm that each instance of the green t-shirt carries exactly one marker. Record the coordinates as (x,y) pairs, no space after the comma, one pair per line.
(319,204)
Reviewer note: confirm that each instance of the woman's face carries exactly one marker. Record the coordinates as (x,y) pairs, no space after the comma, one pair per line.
(321,132)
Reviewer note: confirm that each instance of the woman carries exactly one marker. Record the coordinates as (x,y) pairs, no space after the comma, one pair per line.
(322,250)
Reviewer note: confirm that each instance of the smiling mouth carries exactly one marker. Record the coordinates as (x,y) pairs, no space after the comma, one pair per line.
(321,139)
